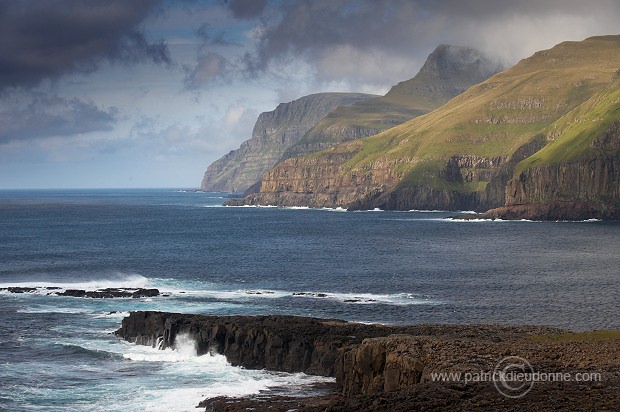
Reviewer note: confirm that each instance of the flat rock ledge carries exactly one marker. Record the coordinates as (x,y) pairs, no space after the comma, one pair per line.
(394,368)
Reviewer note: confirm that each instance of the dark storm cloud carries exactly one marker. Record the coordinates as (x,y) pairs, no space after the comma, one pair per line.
(45,39)
(41,115)
(331,33)
(246,9)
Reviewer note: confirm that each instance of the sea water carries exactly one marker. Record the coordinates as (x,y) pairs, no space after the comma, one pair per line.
(59,353)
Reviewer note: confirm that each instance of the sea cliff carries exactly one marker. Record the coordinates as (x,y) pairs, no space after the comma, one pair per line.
(273,133)
(543,133)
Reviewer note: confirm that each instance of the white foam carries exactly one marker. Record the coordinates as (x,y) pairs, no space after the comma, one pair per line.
(176,387)
(400,299)
(129,281)
(184,350)
(235,384)
(449,219)
(432,211)
(114,315)
(53,309)
(347,298)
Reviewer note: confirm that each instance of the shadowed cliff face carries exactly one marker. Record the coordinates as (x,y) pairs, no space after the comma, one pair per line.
(273,133)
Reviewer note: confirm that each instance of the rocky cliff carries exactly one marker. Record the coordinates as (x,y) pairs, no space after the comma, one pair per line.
(380,367)
(542,131)
(273,133)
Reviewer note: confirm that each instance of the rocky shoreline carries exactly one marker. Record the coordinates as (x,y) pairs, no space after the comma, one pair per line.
(387,368)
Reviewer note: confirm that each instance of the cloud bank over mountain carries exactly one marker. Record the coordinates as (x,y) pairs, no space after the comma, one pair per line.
(88,74)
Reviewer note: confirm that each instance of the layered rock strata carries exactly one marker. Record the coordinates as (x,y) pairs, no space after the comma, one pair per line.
(273,133)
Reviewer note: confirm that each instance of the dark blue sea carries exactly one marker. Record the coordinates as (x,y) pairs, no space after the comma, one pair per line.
(58,353)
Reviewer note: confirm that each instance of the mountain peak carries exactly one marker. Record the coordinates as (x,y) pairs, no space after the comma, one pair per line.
(448,70)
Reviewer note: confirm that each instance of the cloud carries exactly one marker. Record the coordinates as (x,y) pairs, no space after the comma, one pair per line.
(366,42)
(246,9)
(40,115)
(208,67)
(46,39)
(209,136)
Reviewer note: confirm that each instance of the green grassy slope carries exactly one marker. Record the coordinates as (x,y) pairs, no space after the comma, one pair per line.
(499,115)
(448,71)
(574,135)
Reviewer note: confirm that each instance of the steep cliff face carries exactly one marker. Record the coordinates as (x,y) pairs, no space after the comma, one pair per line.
(273,133)
(587,180)
(447,72)
(577,174)
(318,182)
(544,130)
(281,343)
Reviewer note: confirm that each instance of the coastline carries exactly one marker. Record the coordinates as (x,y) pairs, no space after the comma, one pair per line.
(385,367)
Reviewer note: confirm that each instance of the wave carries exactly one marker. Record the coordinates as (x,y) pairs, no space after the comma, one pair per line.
(400,299)
(328,209)
(184,367)
(119,280)
(175,289)
(449,219)
(185,349)
(54,309)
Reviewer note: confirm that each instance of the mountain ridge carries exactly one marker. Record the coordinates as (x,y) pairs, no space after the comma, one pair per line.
(462,155)
(448,71)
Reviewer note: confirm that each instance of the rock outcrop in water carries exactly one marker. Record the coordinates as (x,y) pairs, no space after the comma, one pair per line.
(107,293)
(386,368)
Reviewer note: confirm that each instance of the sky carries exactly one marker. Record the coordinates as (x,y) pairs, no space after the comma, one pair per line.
(147,93)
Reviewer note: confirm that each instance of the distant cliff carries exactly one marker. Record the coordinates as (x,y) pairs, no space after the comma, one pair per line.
(544,132)
(273,133)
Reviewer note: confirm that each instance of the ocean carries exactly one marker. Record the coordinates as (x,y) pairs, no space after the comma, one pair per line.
(58,353)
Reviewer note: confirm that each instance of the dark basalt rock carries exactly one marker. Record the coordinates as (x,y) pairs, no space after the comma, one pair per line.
(20,289)
(76,293)
(145,293)
(109,293)
(388,368)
